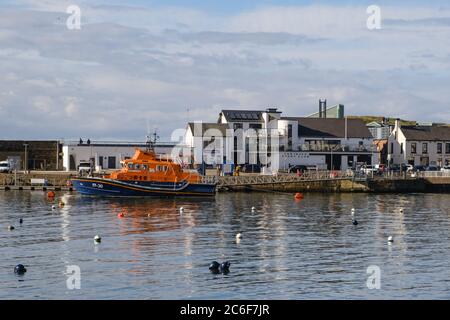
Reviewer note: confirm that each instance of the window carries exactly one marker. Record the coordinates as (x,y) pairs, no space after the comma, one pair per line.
(439,148)
(145,167)
(392,147)
(447,148)
(158,168)
(137,166)
(401,148)
(290,137)
(130,166)
(424,148)
(414,147)
(255,126)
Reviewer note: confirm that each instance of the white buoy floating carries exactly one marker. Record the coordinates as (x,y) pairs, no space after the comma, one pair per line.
(401,210)
(253,209)
(353,211)
(53,207)
(181,210)
(97,239)
(238,238)
(11,228)
(390,239)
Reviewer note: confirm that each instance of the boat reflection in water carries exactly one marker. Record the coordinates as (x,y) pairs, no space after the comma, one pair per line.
(148,226)
(139,216)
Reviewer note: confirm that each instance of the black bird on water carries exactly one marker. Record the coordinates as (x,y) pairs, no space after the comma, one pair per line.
(217,268)
(20,269)
(354,222)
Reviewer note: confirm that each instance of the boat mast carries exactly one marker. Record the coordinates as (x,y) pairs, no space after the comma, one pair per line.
(151,141)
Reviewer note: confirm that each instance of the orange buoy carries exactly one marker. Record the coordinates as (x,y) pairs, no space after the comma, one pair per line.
(121,215)
(50,194)
(298,196)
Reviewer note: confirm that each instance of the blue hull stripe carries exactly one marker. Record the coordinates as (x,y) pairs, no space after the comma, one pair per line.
(105,187)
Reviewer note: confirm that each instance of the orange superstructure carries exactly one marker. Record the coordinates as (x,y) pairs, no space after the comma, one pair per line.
(146,166)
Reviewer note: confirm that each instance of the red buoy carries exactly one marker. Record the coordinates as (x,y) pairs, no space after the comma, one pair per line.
(298,195)
(50,194)
(121,215)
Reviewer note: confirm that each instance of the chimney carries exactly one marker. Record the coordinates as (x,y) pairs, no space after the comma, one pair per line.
(322,108)
(397,127)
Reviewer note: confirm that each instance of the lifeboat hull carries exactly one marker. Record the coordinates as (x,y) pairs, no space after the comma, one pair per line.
(116,188)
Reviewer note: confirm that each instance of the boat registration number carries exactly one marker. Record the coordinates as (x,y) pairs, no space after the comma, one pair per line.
(97,185)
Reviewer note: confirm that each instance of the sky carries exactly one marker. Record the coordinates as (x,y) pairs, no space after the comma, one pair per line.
(136,66)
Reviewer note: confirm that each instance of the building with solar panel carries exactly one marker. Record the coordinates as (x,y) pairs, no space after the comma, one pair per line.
(273,143)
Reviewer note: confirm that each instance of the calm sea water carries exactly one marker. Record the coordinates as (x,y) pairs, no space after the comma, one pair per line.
(290,249)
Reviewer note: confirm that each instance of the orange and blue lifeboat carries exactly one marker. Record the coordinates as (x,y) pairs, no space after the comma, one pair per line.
(144,175)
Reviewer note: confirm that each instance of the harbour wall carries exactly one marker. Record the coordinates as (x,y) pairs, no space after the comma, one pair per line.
(58,181)
(438,185)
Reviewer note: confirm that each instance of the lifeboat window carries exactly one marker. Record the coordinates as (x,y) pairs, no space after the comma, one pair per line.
(130,166)
(137,166)
(145,167)
(165,168)
(158,168)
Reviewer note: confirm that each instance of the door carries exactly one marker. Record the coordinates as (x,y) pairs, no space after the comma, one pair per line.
(72,166)
(111,162)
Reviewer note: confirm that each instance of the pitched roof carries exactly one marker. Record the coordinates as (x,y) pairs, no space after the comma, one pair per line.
(375,124)
(427,133)
(243,115)
(201,128)
(331,128)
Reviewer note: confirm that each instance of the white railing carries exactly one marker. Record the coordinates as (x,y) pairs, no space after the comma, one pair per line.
(434,174)
(244,180)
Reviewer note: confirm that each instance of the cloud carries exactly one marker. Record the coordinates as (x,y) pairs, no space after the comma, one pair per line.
(129,65)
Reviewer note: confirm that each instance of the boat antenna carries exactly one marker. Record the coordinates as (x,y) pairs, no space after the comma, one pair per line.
(151,141)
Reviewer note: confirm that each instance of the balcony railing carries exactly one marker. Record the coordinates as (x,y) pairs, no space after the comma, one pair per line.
(337,148)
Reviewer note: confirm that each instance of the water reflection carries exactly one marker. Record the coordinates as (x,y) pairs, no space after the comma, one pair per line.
(289,249)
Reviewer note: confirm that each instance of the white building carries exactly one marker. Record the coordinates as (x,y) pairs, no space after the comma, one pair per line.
(210,136)
(419,145)
(104,155)
(340,144)
(270,140)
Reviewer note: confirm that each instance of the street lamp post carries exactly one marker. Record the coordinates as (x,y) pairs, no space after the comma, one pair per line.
(25,165)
